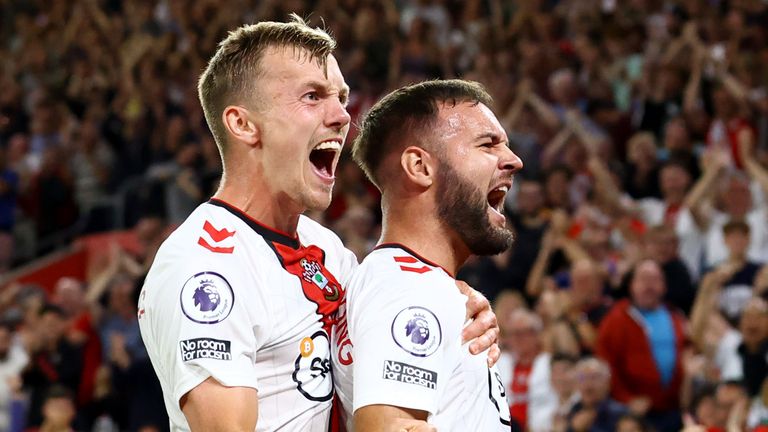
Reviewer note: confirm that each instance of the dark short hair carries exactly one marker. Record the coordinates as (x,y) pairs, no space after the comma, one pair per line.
(58,391)
(52,308)
(736,226)
(406,113)
(233,70)
(563,357)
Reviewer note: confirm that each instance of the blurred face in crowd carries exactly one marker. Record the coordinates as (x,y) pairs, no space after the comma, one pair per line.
(736,197)
(647,285)
(706,411)
(59,411)
(674,181)
(556,189)
(592,382)
(302,126)
(737,242)
(562,377)
(725,398)
(562,87)
(474,174)
(530,198)
(586,284)
(121,297)
(521,334)
(642,149)
(676,136)
(69,295)
(753,323)
(662,245)
(51,327)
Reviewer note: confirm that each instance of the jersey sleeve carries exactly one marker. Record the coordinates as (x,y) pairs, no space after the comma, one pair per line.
(406,339)
(205,321)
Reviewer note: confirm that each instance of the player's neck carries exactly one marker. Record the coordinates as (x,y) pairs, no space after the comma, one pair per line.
(251,197)
(425,236)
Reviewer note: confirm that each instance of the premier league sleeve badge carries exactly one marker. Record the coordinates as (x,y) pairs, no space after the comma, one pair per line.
(207,298)
(417,331)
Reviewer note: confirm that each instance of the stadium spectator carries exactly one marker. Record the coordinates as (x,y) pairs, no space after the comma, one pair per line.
(642,340)
(595,411)
(69,295)
(524,367)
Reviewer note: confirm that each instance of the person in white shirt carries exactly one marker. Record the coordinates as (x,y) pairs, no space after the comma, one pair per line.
(238,307)
(442,162)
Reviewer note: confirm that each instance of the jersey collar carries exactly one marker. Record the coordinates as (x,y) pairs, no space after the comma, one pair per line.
(263,230)
(414,254)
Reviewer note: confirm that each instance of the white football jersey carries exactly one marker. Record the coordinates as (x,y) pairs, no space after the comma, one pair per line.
(231,299)
(399,343)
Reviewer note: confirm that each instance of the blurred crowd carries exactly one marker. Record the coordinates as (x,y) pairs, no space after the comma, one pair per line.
(634,298)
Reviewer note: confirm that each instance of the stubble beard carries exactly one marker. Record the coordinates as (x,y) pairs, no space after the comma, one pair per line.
(464,209)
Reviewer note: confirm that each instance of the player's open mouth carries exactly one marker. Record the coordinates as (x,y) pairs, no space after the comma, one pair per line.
(325,156)
(496,198)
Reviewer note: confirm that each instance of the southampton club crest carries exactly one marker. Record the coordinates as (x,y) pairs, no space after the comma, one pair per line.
(207,298)
(417,331)
(313,273)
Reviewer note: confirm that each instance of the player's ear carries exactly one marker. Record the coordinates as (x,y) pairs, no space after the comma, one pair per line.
(241,125)
(418,166)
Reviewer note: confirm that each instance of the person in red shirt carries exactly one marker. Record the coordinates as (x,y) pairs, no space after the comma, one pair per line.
(642,340)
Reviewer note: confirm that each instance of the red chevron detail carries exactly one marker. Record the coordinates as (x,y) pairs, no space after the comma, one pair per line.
(406,259)
(419,270)
(216,234)
(226,250)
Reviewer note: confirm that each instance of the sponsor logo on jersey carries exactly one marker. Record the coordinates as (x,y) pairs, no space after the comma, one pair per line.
(205,348)
(498,396)
(207,298)
(417,330)
(343,344)
(312,369)
(405,373)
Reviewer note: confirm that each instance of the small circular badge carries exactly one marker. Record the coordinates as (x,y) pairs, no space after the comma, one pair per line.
(306,347)
(207,298)
(417,330)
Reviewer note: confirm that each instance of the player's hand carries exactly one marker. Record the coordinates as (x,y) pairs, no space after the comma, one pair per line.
(410,425)
(484,328)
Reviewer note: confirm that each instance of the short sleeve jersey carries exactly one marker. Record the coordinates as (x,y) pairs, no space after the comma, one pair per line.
(231,299)
(399,343)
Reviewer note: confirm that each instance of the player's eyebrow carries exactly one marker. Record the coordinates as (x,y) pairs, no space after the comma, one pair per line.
(494,136)
(344,94)
(326,89)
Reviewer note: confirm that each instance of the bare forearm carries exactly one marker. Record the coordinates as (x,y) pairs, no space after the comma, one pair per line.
(386,418)
(544,111)
(236,408)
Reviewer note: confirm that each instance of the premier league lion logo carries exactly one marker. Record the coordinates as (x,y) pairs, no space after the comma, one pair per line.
(418,329)
(206,297)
